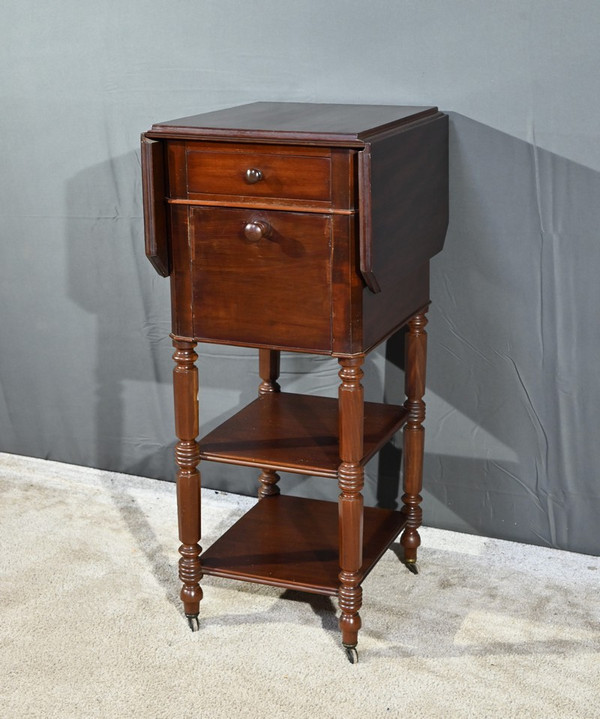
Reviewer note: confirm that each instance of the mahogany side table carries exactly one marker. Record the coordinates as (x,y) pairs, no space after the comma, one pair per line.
(305,228)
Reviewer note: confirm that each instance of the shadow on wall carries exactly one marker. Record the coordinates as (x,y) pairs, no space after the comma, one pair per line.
(106,279)
(512,380)
(110,278)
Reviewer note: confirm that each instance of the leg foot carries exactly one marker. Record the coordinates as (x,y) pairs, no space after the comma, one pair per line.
(193,622)
(411,565)
(350,601)
(351,653)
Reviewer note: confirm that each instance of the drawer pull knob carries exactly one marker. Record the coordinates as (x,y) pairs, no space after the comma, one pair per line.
(255,231)
(253,176)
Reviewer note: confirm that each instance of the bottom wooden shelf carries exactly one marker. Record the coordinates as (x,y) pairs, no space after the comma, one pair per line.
(292,542)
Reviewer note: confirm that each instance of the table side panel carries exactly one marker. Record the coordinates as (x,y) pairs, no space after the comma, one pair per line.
(156,230)
(404,198)
(400,298)
(181,276)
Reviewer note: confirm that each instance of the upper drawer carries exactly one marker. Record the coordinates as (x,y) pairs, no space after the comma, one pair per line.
(246,171)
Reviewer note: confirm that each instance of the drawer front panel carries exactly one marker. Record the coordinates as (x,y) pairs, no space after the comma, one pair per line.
(259,175)
(261,278)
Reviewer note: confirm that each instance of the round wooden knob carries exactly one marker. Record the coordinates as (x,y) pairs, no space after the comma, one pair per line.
(255,231)
(253,176)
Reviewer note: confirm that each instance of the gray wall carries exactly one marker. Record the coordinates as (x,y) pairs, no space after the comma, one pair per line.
(513,400)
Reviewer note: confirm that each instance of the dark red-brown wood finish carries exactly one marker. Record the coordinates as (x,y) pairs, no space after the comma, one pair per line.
(185,390)
(268,369)
(302,227)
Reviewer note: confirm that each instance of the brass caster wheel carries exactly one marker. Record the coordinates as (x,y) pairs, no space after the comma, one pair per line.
(193,622)
(352,654)
(411,566)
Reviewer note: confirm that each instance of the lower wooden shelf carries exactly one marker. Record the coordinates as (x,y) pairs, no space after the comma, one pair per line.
(292,542)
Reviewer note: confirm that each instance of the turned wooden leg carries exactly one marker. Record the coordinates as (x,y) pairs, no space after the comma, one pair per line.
(350,505)
(185,387)
(268,479)
(414,434)
(268,368)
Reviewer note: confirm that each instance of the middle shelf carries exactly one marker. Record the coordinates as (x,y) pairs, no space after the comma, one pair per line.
(296,433)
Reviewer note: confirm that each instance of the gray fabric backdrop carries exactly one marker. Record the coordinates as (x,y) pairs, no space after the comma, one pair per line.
(513,399)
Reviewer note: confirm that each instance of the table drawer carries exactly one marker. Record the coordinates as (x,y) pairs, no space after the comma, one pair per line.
(261,277)
(258,173)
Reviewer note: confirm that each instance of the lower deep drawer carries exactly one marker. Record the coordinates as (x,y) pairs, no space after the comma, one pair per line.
(261,277)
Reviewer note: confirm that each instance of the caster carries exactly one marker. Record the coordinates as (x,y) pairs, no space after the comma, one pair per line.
(411,566)
(352,654)
(193,622)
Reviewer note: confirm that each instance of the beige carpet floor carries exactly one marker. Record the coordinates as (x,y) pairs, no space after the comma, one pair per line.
(91,624)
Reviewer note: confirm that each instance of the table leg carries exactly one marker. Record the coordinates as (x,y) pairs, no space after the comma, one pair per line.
(351,481)
(268,368)
(185,389)
(414,435)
